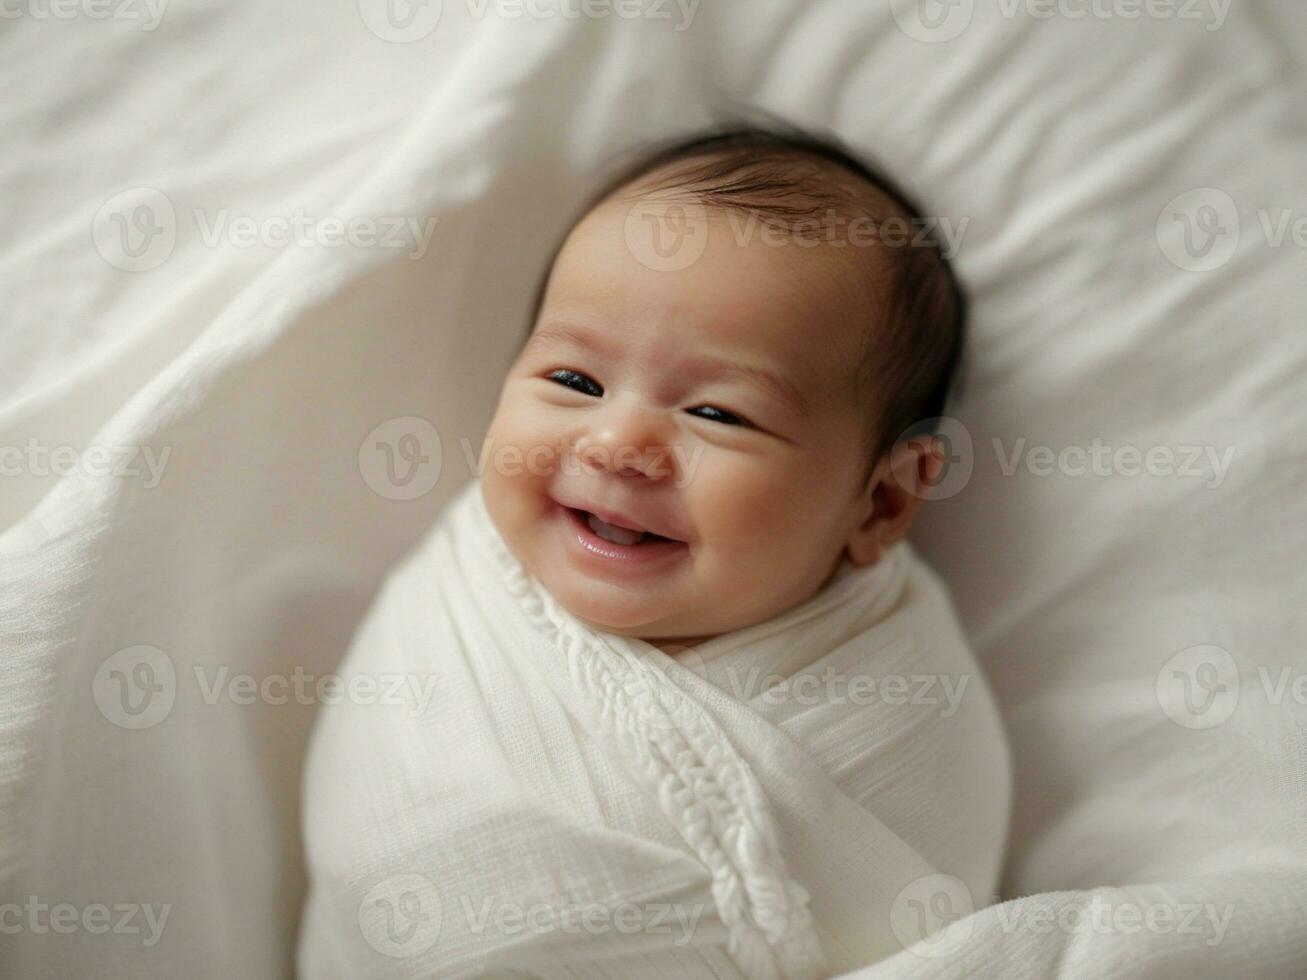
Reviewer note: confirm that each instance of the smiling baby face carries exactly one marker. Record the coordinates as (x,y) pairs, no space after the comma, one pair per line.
(716,408)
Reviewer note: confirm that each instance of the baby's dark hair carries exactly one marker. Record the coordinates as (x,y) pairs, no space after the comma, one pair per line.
(913,358)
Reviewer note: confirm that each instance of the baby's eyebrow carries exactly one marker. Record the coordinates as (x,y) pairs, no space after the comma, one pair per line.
(560,333)
(772,383)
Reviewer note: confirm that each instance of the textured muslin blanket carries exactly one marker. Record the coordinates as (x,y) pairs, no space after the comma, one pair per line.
(567,802)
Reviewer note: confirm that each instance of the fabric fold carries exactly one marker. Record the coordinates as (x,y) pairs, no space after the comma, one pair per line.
(659,769)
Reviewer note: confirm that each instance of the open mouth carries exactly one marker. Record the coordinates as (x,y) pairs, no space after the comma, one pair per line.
(616,533)
(601,545)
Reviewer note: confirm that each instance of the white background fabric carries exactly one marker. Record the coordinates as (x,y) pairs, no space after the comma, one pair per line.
(262,372)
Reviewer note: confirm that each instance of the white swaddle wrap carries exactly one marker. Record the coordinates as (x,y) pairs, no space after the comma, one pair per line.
(546,798)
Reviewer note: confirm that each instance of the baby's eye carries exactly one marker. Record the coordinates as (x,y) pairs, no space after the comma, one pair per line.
(577,381)
(719,415)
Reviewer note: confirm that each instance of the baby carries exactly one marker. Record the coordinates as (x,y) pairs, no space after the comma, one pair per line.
(720,406)
(739,399)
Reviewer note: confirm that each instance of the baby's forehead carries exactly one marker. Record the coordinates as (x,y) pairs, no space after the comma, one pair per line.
(821,238)
(809,308)
(791,203)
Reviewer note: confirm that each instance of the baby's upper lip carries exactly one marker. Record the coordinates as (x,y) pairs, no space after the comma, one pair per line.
(620,518)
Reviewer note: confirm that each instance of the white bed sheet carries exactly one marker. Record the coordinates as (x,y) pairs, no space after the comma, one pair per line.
(257,375)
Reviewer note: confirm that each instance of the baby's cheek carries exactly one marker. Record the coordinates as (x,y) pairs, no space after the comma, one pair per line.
(517,465)
(523,446)
(752,512)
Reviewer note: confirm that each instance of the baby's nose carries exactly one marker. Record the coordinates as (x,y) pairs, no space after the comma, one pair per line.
(628,438)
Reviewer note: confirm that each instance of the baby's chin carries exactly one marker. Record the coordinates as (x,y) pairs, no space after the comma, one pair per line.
(612,609)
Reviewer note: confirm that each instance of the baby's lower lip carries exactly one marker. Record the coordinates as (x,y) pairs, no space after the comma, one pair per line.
(590,547)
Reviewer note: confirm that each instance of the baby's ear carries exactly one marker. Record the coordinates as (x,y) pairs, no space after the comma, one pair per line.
(900,481)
